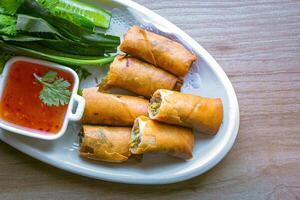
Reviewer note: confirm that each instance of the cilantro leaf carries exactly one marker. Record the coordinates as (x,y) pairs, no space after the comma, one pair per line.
(55,91)
(49,77)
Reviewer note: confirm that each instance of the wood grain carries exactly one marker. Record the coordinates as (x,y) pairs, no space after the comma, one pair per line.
(257,42)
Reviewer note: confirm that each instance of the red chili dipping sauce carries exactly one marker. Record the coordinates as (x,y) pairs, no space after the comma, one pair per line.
(20,103)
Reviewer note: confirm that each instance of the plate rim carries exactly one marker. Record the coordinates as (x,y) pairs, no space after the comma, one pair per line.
(233,125)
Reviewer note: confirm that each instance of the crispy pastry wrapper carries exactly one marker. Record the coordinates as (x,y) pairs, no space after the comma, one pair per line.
(138,76)
(112,109)
(158,50)
(200,113)
(152,136)
(105,143)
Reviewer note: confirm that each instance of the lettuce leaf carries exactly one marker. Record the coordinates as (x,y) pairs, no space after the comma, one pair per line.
(10,7)
(8,25)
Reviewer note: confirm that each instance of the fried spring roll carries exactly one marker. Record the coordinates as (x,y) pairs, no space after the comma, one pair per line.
(139,77)
(111,109)
(109,144)
(200,113)
(151,136)
(157,50)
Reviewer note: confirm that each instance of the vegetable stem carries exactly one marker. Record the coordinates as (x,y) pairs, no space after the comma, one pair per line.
(59,59)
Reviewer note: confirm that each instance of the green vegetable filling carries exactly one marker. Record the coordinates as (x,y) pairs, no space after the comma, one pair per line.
(135,139)
(155,105)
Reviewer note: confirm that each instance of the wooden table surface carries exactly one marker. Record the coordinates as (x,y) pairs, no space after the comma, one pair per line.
(257,42)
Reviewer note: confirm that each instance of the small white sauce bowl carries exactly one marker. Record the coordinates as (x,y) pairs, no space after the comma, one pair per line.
(70,114)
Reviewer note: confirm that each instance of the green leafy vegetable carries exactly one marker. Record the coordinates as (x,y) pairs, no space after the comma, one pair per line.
(48,29)
(4,57)
(8,25)
(55,91)
(82,74)
(34,25)
(59,45)
(77,12)
(33,29)
(77,48)
(68,29)
(78,34)
(20,38)
(37,27)
(58,57)
(10,7)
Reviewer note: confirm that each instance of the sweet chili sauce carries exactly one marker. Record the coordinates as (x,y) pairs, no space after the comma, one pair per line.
(20,103)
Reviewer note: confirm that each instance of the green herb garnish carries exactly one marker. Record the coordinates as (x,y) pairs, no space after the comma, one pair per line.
(7,25)
(55,90)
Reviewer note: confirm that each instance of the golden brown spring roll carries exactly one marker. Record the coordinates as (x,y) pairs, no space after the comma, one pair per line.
(112,109)
(200,113)
(139,77)
(104,143)
(152,136)
(157,50)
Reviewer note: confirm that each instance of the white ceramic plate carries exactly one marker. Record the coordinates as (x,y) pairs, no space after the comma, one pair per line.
(206,78)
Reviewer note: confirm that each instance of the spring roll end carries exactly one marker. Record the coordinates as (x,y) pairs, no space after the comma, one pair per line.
(155,103)
(136,138)
(97,145)
(216,117)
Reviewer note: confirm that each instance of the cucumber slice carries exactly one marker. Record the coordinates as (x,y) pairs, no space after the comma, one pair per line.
(77,12)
